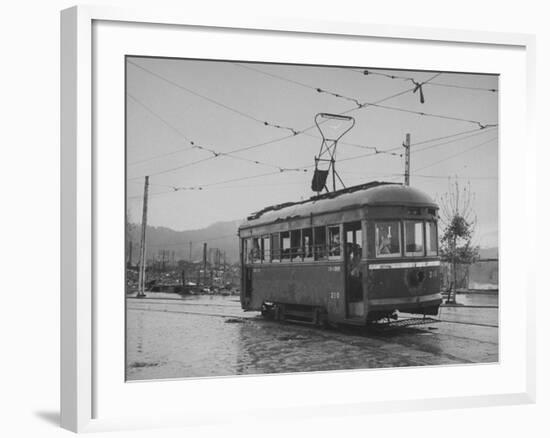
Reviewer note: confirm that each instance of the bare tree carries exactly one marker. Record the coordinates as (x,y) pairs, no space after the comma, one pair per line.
(459,220)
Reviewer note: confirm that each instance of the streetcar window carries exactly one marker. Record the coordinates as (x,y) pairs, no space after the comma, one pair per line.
(320,243)
(307,243)
(255,253)
(266,247)
(431,238)
(285,245)
(334,241)
(414,238)
(353,254)
(247,248)
(295,244)
(275,248)
(388,239)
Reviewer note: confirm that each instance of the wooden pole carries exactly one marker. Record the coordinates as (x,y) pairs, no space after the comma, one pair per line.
(143,251)
(129,264)
(204,251)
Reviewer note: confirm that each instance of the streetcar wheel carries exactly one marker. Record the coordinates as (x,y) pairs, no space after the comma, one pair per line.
(278,312)
(320,318)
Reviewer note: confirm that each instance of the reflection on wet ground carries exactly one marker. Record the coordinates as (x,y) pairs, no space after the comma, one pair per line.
(197,336)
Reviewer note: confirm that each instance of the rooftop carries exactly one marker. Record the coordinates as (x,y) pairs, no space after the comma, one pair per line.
(375,193)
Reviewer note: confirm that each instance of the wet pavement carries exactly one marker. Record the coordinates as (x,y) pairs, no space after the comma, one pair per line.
(169,336)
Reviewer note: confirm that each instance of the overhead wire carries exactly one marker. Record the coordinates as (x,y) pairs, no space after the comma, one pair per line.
(309,87)
(389,150)
(394,175)
(439,116)
(236,157)
(294,131)
(377,103)
(268,142)
(319,90)
(455,155)
(463,87)
(166,123)
(367,72)
(215,153)
(213,101)
(193,144)
(175,188)
(213,156)
(431,140)
(475,134)
(459,177)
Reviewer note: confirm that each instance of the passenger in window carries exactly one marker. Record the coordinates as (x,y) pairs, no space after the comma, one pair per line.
(255,251)
(354,257)
(307,248)
(320,251)
(335,245)
(354,274)
(384,247)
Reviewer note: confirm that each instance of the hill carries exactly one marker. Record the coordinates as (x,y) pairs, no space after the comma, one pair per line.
(221,235)
(488,253)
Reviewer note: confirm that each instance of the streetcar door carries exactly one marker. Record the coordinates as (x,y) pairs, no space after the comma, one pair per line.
(248,285)
(354,276)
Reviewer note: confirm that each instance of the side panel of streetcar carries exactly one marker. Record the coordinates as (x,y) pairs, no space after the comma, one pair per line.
(314,285)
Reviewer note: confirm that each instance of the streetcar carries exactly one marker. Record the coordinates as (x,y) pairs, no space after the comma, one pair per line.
(352,256)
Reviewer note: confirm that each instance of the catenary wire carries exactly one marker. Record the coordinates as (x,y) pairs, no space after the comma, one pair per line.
(216,154)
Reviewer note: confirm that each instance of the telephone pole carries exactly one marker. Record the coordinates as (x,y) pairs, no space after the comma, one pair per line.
(190,251)
(143,252)
(129,264)
(204,251)
(407,146)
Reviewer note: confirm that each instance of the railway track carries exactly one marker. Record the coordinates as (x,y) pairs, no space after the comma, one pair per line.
(400,323)
(192,313)
(172,301)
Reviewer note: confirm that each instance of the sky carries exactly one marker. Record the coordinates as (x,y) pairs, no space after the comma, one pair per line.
(182,116)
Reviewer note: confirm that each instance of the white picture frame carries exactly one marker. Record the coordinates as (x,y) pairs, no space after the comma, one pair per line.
(83,341)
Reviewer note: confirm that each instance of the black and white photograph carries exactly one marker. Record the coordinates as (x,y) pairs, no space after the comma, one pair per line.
(247,219)
(287,218)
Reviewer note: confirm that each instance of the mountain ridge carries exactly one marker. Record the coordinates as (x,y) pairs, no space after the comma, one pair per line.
(221,235)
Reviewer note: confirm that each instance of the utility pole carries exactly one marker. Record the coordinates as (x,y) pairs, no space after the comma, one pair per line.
(190,251)
(129,264)
(143,252)
(224,269)
(407,146)
(204,250)
(163,263)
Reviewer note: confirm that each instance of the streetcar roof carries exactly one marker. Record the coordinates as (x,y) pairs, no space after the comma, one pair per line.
(370,194)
